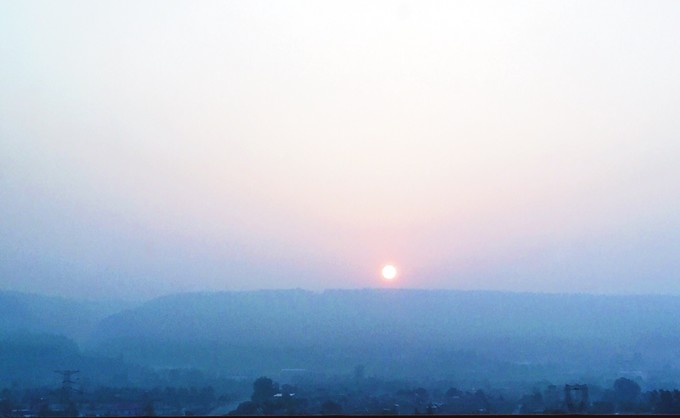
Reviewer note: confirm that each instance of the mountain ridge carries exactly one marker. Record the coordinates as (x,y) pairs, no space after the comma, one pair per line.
(341,326)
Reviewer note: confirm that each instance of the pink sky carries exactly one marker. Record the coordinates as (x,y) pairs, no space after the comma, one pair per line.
(148,147)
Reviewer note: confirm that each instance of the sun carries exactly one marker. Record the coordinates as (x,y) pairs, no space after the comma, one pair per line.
(389,272)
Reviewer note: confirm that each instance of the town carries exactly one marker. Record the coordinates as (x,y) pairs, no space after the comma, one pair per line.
(351,396)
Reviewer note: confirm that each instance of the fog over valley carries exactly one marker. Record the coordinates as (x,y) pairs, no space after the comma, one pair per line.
(468,337)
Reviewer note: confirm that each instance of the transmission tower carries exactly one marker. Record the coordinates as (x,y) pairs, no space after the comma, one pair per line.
(67,383)
(576,398)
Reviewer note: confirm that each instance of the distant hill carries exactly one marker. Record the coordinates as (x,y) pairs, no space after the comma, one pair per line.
(27,312)
(393,329)
(41,334)
(474,338)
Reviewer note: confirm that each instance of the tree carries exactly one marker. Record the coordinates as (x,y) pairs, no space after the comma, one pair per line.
(263,389)
(245,408)
(148,408)
(453,392)
(331,408)
(6,407)
(626,393)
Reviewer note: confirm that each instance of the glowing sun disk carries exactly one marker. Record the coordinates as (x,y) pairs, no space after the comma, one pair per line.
(389,272)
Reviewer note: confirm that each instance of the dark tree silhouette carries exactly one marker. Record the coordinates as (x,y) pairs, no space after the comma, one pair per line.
(331,408)
(263,389)
(245,408)
(627,393)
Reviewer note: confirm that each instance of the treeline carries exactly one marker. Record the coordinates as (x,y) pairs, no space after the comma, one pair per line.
(111,401)
(371,397)
(345,395)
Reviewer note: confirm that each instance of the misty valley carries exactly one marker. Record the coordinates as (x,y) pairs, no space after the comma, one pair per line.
(339,351)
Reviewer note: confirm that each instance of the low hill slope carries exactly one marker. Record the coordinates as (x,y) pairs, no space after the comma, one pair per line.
(270,330)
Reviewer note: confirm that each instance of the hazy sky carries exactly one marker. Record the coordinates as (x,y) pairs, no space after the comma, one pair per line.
(155,147)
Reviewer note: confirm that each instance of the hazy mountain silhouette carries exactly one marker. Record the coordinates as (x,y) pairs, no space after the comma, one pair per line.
(27,312)
(395,330)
